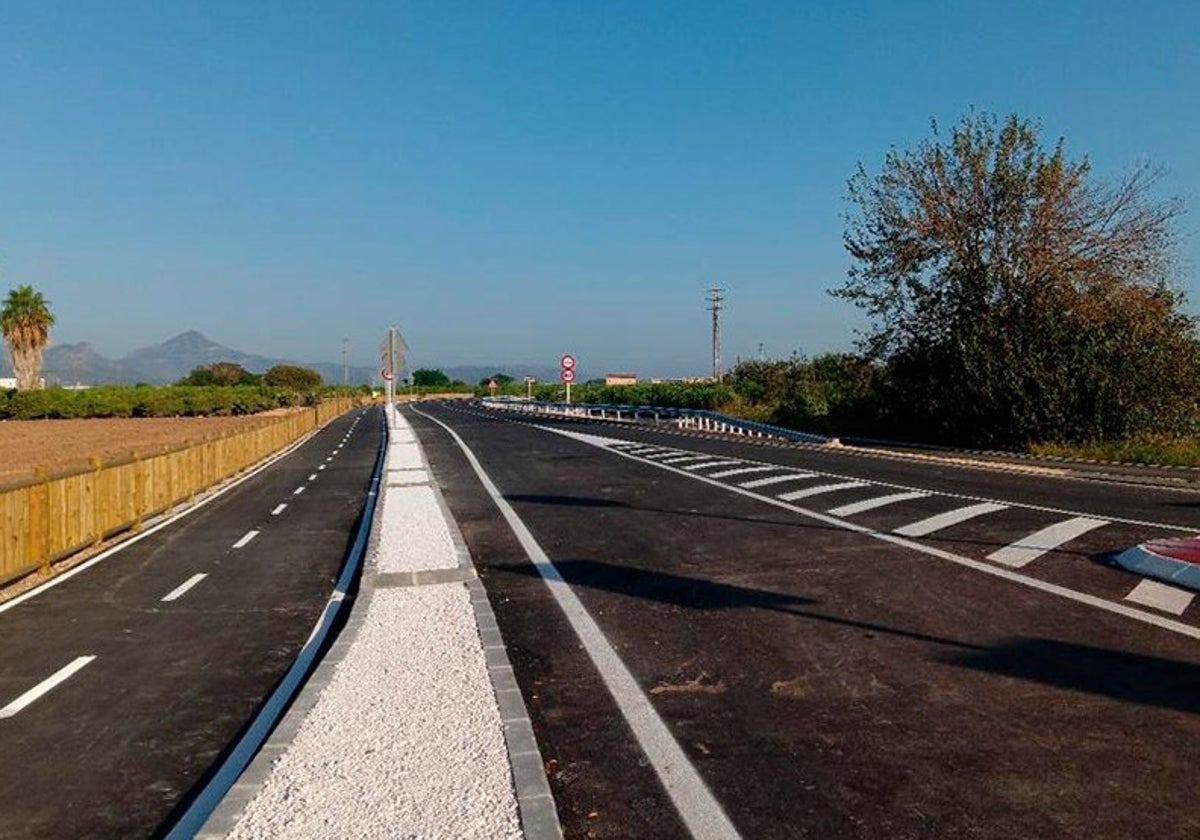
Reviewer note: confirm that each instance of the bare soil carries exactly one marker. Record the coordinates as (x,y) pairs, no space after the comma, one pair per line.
(63,446)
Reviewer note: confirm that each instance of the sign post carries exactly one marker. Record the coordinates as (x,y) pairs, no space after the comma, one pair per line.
(568,373)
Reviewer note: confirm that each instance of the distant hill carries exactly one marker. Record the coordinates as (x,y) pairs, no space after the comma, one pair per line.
(168,362)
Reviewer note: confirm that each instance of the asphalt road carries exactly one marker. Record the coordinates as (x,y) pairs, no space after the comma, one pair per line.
(859,658)
(161,668)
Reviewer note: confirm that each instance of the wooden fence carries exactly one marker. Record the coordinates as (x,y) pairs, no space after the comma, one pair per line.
(46,521)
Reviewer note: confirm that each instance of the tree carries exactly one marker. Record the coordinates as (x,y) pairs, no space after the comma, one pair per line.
(26,320)
(292,376)
(1014,296)
(220,373)
(427,378)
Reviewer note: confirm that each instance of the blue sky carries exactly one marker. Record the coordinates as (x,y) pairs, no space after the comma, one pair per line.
(509,181)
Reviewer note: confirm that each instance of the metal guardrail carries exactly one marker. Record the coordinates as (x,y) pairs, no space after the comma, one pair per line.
(681,418)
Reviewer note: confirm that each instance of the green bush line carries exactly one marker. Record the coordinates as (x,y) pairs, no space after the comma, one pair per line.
(1160,451)
(151,401)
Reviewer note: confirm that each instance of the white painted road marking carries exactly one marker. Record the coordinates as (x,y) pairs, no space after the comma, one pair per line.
(298,491)
(184,587)
(1028,549)
(950,517)
(877,502)
(777,479)
(680,459)
(312,477)
(44,686)
(279,509)
(708,465)
(740,471)
(320,468)
(1151,593)
(244,541)
(821,488)
(699,810)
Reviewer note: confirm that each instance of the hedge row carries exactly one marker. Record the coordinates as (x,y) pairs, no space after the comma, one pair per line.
(147,401)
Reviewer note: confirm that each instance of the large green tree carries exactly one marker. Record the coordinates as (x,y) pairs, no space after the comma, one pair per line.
(429,378)
(292,376)
(1017,297)
(26,320)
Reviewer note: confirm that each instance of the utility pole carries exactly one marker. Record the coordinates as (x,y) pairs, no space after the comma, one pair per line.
(714,306)
(392,353)
(345,368)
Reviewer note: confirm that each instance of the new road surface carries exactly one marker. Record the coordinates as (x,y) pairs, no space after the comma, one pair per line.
(123,683)
(718,638)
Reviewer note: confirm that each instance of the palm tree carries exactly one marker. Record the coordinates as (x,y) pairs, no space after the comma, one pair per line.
(26,321)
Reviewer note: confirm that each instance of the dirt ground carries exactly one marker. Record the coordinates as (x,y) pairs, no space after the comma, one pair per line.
(60,446)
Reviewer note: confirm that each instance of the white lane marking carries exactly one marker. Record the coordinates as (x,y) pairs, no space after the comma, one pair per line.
(821,488)
(928,526)
(245,540)
(740,471)
(1171,599)
(312,477)
(723,462)
(279,508)
(697,807)
(61,675)
(1031,547)
(330,458)
(184,587)
(877,502)
(958,559)
(320,468)
(681,459)
(298,491)
(777,479)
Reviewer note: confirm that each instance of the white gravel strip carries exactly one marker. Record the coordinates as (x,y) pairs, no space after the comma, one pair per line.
(413,536)
(405,741)
(403,456)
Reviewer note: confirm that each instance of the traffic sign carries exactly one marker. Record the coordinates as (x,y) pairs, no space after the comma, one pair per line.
(568,375)
(387,375)
(568,362)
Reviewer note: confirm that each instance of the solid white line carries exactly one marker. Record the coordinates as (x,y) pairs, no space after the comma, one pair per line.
(1151,593)
(298,491)
(928,526)
(777,479)
(877,502)
(740,471)
(44,686)
(724,462)
(279,509)
(821,488)
(1029,548)
(958,559)
(184,587)
(699,810)
(245,540)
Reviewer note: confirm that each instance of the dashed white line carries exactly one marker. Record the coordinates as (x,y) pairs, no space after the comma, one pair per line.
(279,508)
(298,490)
(1029,548)
(312,477)
(59,676)
(1171,599)
(777,479)
(928,526)
(320,468)
(245,540)
(877,502)
(821,488)
(184,587)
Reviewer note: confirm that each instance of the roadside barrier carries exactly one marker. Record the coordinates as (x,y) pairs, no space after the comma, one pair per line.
(50,518)
(680,418)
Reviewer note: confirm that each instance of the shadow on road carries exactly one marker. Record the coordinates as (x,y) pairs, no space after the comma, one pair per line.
(1120,675)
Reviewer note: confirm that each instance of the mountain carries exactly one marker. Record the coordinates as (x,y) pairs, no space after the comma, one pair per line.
(170,361)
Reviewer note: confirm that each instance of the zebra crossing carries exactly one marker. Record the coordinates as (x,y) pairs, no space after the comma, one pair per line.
(1029,539)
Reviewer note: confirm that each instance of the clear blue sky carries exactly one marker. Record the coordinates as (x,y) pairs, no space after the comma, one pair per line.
(507,181)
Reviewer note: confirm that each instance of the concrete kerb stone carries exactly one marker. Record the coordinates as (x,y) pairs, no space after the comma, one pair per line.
(535,803)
